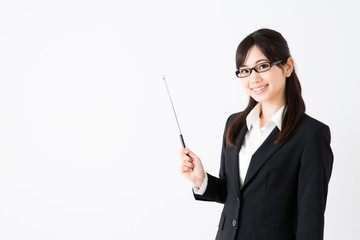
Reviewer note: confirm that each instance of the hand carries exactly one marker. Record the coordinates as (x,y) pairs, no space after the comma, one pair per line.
(191,167)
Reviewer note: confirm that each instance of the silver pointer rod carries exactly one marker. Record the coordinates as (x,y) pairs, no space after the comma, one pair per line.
(181,137)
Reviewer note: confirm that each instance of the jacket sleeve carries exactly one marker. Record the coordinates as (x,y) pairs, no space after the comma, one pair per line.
(314,175)
(216,188)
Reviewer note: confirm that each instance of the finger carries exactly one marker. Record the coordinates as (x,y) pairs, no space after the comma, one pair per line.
(183,153)
(192,155)
(188,164)
(182,150)
(185,169)
(186,151)
(185,158)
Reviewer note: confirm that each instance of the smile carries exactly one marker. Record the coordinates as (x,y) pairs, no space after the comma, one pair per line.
(260,89)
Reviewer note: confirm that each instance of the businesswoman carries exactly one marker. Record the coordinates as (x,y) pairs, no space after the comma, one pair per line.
(276,161)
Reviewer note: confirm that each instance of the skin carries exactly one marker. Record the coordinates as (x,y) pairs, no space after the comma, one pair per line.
(272,98)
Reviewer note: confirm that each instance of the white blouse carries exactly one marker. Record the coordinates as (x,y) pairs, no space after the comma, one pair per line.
(254,137)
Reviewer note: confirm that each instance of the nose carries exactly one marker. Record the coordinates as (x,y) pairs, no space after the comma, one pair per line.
(255,78)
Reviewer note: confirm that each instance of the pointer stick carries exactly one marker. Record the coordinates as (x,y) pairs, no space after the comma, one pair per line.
(181,137)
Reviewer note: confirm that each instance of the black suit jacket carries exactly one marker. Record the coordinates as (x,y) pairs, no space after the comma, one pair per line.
(285,189)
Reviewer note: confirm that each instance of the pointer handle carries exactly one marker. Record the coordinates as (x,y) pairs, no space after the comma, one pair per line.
(182,141)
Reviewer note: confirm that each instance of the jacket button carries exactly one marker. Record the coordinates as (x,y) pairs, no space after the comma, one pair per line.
(234,223)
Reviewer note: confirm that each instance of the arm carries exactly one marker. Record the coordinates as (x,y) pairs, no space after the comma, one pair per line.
(216,189)
(314,175)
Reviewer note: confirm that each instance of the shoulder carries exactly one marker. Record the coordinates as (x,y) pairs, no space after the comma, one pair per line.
(310,127)
(315,137)
(231,118)
(311,123)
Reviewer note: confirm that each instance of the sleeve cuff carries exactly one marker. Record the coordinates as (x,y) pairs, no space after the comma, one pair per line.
(202,189)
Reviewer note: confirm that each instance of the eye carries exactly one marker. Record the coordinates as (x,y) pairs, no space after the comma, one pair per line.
(264,66)
(244,71)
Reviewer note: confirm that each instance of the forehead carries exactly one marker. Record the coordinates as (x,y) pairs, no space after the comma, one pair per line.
(253,56)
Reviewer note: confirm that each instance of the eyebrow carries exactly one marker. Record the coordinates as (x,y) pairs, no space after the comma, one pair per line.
(256,62)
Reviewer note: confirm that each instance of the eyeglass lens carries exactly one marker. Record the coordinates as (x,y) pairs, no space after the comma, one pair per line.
(262,67)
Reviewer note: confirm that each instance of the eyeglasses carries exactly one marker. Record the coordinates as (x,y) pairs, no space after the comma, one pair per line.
(259,68)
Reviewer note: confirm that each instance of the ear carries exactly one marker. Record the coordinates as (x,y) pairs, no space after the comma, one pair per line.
(289,67)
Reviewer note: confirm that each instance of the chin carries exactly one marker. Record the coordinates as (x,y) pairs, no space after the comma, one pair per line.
(257,99)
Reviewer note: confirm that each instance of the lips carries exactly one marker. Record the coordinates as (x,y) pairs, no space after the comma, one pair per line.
(260,89)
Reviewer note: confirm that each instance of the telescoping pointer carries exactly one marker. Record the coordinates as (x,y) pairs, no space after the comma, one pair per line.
(181,137)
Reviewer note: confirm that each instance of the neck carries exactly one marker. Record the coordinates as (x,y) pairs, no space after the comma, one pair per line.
(269,110)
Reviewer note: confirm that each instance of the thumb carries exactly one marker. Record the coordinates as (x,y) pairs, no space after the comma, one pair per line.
(192,155)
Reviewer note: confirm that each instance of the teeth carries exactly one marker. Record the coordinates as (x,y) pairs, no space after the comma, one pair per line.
(260,88)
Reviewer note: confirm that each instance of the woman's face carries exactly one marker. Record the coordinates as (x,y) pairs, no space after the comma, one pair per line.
(266,87)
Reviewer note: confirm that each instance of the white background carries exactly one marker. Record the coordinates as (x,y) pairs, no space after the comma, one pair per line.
(88,141)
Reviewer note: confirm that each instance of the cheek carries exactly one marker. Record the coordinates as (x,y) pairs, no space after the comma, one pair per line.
(277,75)
(276,80)
(245,83)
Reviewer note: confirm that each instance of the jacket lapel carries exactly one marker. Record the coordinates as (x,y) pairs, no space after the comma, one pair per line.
(263,153)
(234,158)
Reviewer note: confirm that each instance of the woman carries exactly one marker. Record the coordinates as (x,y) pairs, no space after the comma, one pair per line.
(276,161)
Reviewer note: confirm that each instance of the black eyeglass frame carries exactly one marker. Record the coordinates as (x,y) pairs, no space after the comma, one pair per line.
(254,68)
